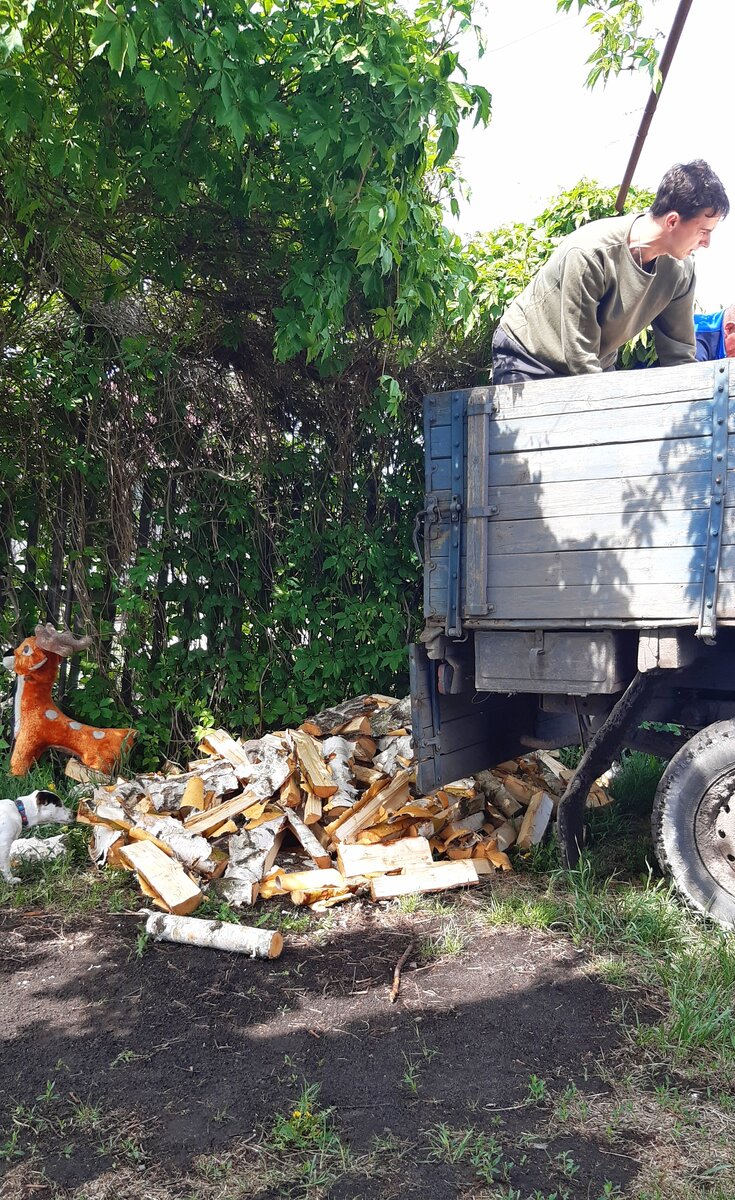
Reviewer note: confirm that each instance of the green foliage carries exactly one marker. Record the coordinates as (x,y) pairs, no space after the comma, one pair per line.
(616,25)
(224,285)
(215,150)
(186,194)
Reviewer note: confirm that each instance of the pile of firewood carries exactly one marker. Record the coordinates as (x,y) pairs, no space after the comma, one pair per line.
(337,792)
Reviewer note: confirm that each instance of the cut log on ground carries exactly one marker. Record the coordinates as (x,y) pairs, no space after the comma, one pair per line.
(40,850)
(215,935)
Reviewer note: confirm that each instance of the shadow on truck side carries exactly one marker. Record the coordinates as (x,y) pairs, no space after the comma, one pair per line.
(571,528)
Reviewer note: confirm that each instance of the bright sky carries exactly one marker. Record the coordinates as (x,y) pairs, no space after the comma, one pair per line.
(548,130)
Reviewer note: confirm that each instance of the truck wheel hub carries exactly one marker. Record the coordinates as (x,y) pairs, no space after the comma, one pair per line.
(725,832)
(715,831)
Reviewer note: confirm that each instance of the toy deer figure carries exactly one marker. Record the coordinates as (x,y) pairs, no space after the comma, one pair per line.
(39,724)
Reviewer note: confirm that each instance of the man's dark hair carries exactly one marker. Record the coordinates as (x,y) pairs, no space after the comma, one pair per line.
(689,189)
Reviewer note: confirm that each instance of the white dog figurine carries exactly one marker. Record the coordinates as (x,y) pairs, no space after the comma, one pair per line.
(38,808)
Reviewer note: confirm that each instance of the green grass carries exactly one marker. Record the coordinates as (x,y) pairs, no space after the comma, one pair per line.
(528,911)
(482,1151)
(451,940)
(70,884)
(634,785)
(667,951)
(40,776)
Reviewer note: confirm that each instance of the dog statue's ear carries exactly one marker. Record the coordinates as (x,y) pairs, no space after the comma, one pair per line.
(62,643)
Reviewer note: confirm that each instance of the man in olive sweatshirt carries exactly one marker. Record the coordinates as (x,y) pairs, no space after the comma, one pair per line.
(610,279)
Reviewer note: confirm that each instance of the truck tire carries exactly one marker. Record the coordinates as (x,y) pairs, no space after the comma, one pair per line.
(694,822)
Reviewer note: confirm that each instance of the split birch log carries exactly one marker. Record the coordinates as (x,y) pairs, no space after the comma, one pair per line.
(77,771)
(307,839)
(312,809)
(172,887)
(356,726)
(191,849)
(438,877)
(555,768)
(393,715)
(268,778)
(379,860)
(505,835)
(391,750)
(313,766)
(537,817)
(337,752)
(455,829)
(290,792)
(252,854)
(361,815)
(102,842)
(331,719)
(219,742)
(209,820)
(495,792)
(365,749)
(215,935)
(493,861)
(520,790)
(167,791)
(107,812)
(193,796)
(366,775)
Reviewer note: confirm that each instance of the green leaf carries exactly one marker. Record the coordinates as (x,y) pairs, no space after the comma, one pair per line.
(11,43)
(117,49)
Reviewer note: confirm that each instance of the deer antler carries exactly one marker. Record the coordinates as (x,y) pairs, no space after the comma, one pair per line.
(63,643)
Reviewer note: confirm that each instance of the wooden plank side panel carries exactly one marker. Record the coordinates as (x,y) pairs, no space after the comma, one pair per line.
(626,572)
(630,496)
(476,528)
(647,423)
(600,531)
(643,602)
(576,393)
(646,604)
(600,506)
(634,494)
(670,456)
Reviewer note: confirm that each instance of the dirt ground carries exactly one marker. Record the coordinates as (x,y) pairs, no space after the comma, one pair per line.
(186,1052)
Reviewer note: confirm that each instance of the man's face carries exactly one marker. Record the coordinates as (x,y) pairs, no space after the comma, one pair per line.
(728,332)
(687,236)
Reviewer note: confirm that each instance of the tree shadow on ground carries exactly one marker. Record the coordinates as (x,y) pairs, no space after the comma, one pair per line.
(197,1049)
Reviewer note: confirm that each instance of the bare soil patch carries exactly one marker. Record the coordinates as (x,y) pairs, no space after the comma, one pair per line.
(188,1053)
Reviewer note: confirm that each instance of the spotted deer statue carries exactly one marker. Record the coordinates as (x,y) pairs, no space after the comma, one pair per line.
(39,724)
